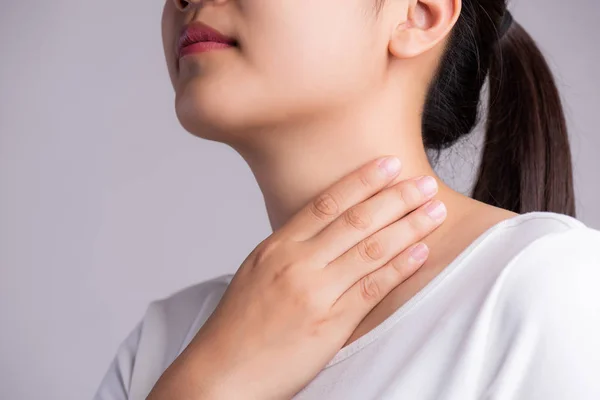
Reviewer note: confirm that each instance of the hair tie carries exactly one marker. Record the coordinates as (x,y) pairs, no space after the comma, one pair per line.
(507,21)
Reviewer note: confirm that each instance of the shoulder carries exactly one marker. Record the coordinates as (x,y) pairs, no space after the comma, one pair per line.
(170,322)
(557,263)
(542,259)
(542,223)
(192,298)
(561,261)
(547,306)
(164,331)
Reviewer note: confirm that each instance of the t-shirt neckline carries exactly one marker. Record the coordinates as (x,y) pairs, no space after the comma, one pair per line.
(410,304)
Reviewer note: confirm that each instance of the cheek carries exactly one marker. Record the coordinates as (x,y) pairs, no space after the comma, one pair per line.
(318,63)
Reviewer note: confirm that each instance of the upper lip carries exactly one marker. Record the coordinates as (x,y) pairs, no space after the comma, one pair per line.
(197,31)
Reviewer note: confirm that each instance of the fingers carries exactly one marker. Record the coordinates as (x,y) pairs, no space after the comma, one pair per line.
(365,294)
(384,247)
(364,219)
(345,193)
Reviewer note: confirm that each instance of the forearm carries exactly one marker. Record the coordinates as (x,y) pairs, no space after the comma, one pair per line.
(209,369)
(197,374)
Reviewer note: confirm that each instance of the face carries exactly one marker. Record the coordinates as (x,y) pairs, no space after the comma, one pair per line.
(294,59)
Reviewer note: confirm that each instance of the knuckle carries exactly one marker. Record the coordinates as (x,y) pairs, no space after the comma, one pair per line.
(410,194)
(324,206)
(369,289)
(287,281)
(281,274)
(262,253)
(357,219)
(370,249)
(273,250)
(415,224)
(398,265)
(365,181)
(319,327)
(315,304)
(307,300)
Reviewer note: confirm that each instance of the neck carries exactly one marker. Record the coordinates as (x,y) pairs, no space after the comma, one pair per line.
(292,165)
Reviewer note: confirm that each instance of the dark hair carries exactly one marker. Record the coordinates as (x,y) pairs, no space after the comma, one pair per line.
(526,161)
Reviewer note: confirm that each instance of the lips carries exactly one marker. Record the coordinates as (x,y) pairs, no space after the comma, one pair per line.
(197,36)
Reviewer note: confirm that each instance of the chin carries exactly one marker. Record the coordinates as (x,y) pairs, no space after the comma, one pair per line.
(211,111)
(223,111)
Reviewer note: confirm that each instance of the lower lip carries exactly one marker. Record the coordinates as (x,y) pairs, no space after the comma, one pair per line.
(202,47)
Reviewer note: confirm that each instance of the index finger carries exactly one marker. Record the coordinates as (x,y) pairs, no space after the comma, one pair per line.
(359,185)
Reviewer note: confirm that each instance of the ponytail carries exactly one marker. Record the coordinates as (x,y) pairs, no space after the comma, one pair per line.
(526,160)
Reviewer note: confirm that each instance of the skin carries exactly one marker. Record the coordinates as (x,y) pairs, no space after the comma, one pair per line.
(316,89)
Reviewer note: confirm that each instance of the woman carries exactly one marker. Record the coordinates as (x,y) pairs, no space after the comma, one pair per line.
(368,288)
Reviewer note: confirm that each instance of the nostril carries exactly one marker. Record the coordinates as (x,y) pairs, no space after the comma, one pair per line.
(182,4)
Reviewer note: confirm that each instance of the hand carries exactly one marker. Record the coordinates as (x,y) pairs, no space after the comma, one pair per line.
(301,293)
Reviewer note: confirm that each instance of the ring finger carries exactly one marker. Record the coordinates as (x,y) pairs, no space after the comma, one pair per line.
(378,249)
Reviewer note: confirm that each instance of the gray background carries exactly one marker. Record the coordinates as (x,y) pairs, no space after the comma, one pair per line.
(106,203)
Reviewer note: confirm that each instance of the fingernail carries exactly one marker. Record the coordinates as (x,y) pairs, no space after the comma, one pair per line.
(419,253)
(427,185)
(391,165)
(436,210)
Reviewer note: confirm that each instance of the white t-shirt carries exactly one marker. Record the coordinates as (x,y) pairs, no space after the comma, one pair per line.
(515,316)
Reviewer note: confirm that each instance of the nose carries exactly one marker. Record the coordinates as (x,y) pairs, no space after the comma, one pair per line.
(183,5)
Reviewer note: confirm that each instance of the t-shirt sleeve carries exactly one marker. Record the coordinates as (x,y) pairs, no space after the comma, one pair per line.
(117,380)
(551,314)
(166,328)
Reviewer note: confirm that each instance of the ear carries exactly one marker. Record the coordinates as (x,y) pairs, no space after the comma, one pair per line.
(428,22)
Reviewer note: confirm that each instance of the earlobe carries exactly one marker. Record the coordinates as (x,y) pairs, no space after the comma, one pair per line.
(428,22)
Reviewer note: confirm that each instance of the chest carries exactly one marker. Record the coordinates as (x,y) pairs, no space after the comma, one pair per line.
(433,356)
